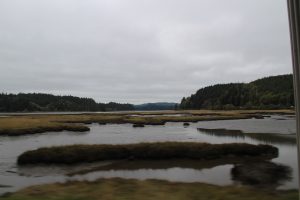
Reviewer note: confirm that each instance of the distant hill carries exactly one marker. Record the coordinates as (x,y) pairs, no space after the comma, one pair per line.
(156,106)
(33,102)
(266,93)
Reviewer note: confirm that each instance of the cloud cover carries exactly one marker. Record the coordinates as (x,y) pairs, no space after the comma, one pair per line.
(139,50)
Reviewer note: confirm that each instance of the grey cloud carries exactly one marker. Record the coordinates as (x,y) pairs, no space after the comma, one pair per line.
(139,50)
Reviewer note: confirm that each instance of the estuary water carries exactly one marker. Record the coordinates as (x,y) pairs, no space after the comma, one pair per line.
(276,130)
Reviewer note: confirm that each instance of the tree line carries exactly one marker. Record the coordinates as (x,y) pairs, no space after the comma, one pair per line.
(33,102)
(266,93)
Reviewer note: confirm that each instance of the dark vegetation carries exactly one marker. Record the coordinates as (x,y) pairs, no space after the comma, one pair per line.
(33,102)
(143,151)
(156,106)
(35,130)
(267,93)
(138,125)
(261,174)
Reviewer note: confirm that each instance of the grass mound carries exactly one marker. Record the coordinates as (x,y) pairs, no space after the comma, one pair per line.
(143,151)
(261,173)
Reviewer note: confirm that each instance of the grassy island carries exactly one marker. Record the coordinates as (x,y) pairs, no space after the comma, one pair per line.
(143,151)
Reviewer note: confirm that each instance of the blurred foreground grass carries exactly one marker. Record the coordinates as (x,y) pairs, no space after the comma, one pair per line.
(122,189)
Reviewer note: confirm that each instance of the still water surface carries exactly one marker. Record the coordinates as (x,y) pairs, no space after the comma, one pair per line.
(275,130)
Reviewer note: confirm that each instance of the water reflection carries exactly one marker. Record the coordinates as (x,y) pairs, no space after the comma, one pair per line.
(269,138)
(167,164)
(221,132)
(266,125)
(253,172)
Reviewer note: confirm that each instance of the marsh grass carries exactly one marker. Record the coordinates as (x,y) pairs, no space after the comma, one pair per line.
(30,124)
(121,189)
(143,151)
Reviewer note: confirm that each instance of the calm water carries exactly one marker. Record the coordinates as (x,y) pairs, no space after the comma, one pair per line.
(276,130)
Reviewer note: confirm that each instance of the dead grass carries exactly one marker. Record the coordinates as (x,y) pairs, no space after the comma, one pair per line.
(121,189)
(30,124)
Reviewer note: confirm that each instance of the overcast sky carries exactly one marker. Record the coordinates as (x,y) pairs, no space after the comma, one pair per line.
(139,50)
